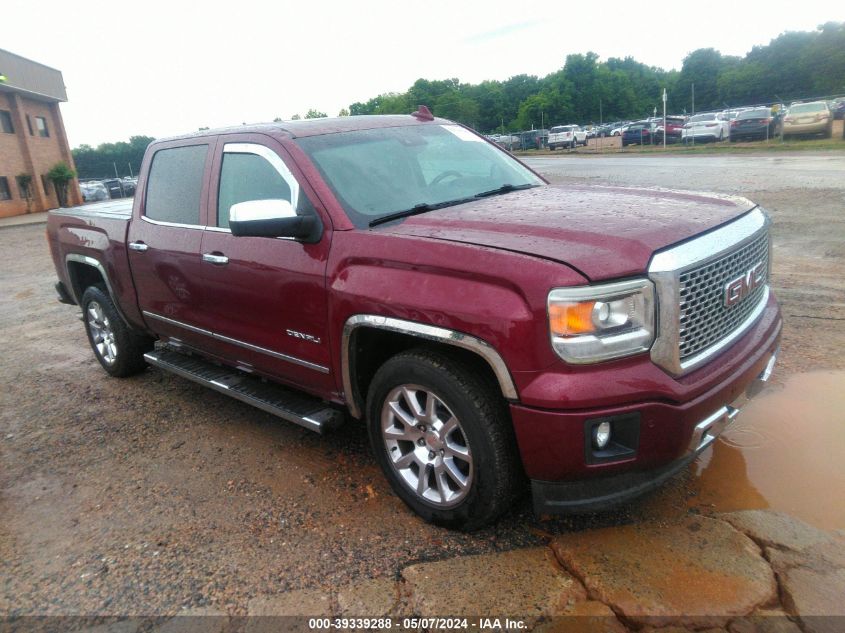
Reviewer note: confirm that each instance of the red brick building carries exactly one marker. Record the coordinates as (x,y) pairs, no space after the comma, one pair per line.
(32,134)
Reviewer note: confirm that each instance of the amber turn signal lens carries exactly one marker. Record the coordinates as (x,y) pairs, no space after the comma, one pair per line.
(569,319)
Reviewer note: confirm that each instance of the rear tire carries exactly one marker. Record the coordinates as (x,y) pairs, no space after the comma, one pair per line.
(118,349)
(443,438)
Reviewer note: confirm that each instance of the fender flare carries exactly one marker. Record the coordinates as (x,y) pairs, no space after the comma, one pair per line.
(85,260)
(426,332)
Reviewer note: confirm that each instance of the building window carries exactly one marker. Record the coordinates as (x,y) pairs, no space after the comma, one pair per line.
(29,125)
(5,192)
(23,189)
(41,124)
(45,182)
(6,122)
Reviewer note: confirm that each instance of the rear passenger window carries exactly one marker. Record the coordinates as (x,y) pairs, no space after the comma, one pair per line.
(246,177)
(175,183)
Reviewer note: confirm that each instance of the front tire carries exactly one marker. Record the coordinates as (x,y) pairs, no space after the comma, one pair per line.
(442,437)
(118,349)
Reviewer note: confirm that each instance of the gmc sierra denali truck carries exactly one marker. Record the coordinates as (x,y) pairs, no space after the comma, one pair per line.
(491,330)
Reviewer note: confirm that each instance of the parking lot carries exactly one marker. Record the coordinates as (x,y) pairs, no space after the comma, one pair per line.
(152,494)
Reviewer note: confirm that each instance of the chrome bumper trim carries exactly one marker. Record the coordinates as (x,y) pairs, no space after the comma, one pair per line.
(711,427)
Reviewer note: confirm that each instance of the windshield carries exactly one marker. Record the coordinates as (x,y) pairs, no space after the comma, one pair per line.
(759,113)
(808,107)
(703,117)
(383,171)
(562,128)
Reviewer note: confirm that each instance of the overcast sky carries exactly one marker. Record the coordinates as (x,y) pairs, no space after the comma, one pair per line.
(166,67)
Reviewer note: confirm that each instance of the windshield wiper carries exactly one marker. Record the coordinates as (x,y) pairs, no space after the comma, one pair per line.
(506,188)
(423,207)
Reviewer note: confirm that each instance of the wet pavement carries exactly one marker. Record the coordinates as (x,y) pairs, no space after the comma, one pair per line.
(152,495)
(726,174)
(785,452)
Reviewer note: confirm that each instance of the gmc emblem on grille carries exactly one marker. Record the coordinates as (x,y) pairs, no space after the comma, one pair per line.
(741,287)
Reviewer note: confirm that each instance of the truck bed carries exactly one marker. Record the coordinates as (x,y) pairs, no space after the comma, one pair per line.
(93,236)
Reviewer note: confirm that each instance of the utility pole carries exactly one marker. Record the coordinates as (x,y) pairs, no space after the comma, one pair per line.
(693,98)
(664,118)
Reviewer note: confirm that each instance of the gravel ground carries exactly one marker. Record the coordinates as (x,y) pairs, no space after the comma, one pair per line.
(151,494)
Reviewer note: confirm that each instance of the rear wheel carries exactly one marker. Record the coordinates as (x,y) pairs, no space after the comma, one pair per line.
(119,350)
(443,439)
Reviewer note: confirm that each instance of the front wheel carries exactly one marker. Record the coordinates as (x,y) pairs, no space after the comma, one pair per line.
(119,350)
(442,437)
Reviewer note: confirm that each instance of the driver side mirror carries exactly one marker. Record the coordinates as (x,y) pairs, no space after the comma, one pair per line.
(272,218)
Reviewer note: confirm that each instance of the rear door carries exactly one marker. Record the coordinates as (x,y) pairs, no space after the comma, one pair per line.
(164,239)
(265,298)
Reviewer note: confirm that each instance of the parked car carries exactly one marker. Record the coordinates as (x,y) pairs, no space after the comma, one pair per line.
(533,139)
(604,130)
(619,129)
(129,186)
(591,340)
(509,141)
(808,118)
(757,123)
(115,188)
(675,127)
(704,127)
(566,136)
(93,191)
(639,133)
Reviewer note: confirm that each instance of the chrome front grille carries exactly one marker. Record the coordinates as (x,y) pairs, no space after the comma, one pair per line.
(704,318)
(690,279)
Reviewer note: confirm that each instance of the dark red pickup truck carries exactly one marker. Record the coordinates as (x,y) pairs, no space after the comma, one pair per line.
(489,329)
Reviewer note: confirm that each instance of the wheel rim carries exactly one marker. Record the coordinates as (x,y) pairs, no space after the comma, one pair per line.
(101,333)
(426,445)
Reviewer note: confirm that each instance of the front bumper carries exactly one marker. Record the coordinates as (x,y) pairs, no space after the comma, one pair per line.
(595,495)
(676,418)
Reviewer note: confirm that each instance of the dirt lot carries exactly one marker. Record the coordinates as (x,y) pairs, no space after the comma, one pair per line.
(148,495)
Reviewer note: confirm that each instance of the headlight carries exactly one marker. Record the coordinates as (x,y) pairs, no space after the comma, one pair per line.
(589,324)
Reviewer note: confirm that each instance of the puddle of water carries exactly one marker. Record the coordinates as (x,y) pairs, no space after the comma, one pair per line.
(786,451)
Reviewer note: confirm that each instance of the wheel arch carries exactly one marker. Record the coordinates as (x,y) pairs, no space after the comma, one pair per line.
(84,271)
(383,337)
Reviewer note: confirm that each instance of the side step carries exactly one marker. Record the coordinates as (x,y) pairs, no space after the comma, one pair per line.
(307,411)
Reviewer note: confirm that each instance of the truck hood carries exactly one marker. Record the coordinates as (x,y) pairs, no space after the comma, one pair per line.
(603,232)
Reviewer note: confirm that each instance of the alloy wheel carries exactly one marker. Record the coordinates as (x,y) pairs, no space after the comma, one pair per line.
(102,333)
(426,445)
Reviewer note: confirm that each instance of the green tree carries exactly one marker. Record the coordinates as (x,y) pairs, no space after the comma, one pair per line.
(343,112)
(25,185)
(60,175)
(315,114)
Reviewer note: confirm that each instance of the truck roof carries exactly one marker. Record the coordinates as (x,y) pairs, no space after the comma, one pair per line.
(315,127)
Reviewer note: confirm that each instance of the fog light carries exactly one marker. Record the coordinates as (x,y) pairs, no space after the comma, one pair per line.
(601,435)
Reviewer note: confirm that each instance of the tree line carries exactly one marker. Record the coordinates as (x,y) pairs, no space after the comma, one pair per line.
(585,90)
(794,65)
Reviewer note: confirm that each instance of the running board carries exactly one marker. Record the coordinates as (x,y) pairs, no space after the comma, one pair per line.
(296,407)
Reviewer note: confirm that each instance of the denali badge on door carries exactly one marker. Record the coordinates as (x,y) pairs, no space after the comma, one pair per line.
(741,287)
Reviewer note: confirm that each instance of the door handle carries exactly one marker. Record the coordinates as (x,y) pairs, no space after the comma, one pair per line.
(217,260)
(138,246)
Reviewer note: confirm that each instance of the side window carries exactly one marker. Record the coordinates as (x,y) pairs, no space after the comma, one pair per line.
(175,184)
(252,172)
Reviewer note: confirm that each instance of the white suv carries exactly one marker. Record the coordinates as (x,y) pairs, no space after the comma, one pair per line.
(567,136)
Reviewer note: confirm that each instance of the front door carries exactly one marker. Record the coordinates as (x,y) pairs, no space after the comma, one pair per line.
(265,298)
(164,242)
